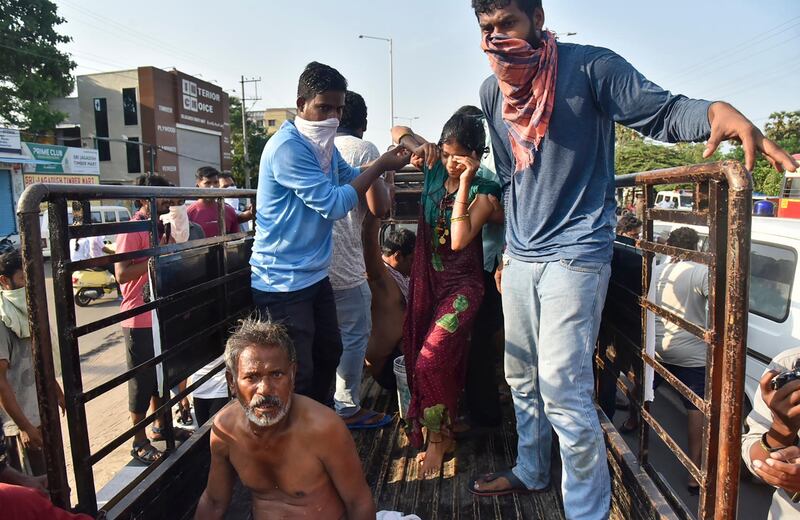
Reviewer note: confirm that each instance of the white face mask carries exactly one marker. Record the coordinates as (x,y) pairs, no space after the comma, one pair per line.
(232,202)
(179,223)
(14,311)
(320,134)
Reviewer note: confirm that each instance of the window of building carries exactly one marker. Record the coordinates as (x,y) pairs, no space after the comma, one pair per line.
(771,276)
(271,122)
(129,110)
(101,129)
(132,152)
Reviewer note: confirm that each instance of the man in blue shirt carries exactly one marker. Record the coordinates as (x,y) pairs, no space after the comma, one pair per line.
(304,185)
(559,120)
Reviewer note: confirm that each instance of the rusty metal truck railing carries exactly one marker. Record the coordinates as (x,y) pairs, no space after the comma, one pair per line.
(722,201)
(202,285)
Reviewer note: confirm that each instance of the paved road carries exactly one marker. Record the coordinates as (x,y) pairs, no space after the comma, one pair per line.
(754,498)
(102,356)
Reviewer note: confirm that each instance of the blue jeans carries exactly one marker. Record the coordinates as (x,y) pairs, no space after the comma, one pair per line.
(355,324)
(552,317)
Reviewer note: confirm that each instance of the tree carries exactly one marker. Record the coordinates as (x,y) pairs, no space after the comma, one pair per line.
(784,129)
(32,69)
(256,140)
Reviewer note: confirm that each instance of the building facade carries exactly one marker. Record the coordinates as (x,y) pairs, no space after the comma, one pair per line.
(152,120)
(275,117)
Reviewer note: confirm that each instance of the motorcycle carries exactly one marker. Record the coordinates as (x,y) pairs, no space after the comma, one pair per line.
(89,285)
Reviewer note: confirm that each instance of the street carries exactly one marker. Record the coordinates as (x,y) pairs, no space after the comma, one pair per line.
(102,355)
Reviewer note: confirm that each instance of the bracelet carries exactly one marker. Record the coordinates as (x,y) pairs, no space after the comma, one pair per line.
(465,216)
(766,447)
(459,202)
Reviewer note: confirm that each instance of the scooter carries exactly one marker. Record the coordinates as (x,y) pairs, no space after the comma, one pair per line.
(88,285)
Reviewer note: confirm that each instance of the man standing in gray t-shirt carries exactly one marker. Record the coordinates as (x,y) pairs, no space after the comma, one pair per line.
(347,272)
(19,404)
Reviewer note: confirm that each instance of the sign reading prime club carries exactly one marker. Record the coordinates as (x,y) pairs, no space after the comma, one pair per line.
(60,164)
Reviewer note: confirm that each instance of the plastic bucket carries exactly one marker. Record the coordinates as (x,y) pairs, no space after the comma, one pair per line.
(403,393)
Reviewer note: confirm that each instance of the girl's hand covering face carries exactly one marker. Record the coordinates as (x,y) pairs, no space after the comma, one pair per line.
(469,164)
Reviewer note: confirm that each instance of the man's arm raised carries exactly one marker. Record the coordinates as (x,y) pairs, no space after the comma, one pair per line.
(340,458)
(214,502)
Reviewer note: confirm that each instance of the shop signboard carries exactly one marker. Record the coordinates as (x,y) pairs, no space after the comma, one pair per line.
(200,104)
(9,141)
(60,164)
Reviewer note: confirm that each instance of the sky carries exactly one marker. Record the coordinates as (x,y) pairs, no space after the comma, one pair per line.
(741,51)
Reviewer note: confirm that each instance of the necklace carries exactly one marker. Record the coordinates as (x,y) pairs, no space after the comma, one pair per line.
(442,230)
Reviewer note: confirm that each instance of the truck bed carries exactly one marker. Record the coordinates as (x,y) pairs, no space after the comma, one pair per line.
(393,473)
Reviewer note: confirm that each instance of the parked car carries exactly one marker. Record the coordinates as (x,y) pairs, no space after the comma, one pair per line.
(774,320)
(100,214)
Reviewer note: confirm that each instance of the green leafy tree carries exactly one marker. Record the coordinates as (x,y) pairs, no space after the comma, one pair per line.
(32,69)
(634,154)
(256,140)
(784,129)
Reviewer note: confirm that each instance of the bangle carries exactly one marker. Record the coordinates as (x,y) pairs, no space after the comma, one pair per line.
(459,202)
(766,447)
(465,216)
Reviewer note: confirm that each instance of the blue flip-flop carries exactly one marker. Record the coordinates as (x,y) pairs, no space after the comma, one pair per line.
(363,424)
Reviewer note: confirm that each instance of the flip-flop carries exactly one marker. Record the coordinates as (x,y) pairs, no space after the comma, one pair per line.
(517,486)
(363,424)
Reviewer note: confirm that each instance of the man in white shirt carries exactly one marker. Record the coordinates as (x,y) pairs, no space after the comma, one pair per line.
(682,288)
(348,273)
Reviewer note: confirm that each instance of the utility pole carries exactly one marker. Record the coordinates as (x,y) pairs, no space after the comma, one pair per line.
(244,126)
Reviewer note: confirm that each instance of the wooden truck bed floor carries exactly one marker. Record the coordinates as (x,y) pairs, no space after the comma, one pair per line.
(393,473)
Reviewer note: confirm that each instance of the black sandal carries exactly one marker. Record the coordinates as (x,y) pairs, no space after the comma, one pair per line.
(180,434)
(185,415)
(145,452)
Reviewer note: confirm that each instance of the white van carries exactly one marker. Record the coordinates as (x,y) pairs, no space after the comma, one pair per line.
(100,215)
(774,320)
(681,200)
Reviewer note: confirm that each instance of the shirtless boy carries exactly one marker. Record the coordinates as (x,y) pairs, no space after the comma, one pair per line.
(388,268)
(295,455)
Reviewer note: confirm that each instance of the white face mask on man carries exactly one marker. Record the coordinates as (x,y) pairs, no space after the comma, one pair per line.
(320,134)
(178,219)
(14,311)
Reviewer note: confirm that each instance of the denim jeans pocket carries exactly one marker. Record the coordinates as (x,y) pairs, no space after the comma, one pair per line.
(581,266)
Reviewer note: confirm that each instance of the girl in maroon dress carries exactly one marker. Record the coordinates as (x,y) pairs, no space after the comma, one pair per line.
(446,277)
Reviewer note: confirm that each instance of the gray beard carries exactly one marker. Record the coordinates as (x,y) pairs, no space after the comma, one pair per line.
(264,421)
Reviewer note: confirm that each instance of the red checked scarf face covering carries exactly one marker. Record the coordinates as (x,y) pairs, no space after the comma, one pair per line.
(527,79)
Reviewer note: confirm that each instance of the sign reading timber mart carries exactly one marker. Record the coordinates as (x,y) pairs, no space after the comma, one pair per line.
(61,164)
(200,104)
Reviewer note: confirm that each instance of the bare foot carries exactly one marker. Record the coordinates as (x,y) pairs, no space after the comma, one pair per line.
(431,459)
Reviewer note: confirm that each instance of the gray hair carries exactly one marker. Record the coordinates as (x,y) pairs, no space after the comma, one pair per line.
(253,331)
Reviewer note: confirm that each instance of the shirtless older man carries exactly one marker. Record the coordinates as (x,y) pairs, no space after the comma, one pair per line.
(295,455)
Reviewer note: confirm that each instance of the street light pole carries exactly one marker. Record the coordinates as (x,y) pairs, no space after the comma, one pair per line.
(391,73)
